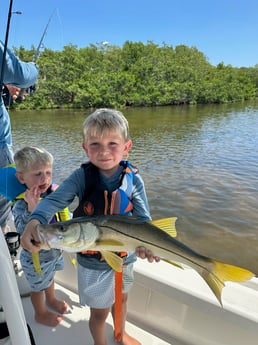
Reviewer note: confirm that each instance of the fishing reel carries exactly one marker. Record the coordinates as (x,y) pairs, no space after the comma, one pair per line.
(6,96)
(8,99)
(29,91)
(13,243)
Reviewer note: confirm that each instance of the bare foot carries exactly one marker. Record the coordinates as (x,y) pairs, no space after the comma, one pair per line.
(59,306)
(128,340)
(48,318)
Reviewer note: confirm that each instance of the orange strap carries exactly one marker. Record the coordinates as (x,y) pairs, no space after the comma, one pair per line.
(89,252)
(121,254)
(118,305)
(106,202)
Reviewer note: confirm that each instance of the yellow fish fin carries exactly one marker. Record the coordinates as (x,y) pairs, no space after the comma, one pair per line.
(222,272)
(114,261)
(20,196)
(73,260)
(36,263)
(173,263)
(167,225)
(231,273)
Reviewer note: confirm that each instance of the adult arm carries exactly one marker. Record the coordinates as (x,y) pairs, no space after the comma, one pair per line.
(17,72)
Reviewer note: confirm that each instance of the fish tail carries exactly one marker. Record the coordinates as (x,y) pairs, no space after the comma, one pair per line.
(222,272)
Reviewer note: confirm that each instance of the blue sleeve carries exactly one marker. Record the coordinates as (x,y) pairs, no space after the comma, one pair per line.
(10,186)
(16,72)
(140,201)
(21,215)
(61,198)
(20,74)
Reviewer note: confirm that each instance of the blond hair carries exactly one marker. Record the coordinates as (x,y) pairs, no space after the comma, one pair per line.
(29,156)
(103,121)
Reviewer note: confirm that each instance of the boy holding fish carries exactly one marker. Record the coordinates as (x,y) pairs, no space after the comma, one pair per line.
(106,184)
(34,169)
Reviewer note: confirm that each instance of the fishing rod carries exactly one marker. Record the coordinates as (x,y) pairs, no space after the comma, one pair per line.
(4,92)
(31,89)
(40,45)
(5,45)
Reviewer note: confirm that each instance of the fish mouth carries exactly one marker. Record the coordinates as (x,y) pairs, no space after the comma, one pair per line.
(49,239)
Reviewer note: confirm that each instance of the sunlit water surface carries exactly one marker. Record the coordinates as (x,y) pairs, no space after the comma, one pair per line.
(198,163)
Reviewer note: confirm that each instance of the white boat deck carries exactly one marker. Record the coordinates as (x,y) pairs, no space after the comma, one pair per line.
(167,305)
(74,330)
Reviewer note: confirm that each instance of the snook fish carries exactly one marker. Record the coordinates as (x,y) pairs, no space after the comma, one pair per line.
(108,234)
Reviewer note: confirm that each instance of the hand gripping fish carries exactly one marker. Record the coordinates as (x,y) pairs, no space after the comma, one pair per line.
(108,234)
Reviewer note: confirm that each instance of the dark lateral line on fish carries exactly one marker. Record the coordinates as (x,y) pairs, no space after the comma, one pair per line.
(180,244)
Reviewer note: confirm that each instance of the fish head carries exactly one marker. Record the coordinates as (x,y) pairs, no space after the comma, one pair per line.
(69,236)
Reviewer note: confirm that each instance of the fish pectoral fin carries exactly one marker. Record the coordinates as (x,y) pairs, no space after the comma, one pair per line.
(113,260)
(173,263)
(36,263)
(167,225)
(222,272)
(73,260)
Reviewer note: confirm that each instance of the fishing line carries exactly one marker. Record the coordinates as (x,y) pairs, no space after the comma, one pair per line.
(60,26)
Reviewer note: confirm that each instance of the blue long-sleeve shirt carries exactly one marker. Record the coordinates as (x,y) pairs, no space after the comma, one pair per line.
(74,186)
(17,73)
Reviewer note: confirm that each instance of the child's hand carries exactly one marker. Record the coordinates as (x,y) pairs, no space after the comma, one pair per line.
(144,253)
(31,196)
(30,239)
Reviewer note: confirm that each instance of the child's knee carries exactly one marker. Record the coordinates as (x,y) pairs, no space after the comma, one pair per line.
(124,297)
(99,315)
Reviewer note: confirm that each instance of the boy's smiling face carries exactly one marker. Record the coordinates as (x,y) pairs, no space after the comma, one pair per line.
(107,151)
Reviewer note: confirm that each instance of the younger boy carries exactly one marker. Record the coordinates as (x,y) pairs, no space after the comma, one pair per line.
(106,184)
(34,169)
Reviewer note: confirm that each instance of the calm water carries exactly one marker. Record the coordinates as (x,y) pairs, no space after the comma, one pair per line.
(198,163)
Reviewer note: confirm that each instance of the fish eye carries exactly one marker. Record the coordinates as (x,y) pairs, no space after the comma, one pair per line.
(62,228)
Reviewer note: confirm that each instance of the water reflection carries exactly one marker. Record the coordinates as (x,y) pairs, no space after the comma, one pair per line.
(199,164)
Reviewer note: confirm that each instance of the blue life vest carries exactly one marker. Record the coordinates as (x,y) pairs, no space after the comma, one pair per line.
(97,201)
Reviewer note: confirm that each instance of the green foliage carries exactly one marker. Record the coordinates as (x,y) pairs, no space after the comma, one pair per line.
(135,74)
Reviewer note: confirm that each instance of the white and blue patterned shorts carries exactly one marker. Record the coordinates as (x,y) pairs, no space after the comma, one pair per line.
(97,287)
(50,261)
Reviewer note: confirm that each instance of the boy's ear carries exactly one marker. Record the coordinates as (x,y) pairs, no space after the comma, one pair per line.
(84,147)
(128,145)
(20,177)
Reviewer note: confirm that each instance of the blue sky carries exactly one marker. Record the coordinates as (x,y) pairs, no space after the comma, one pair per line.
(224,30)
